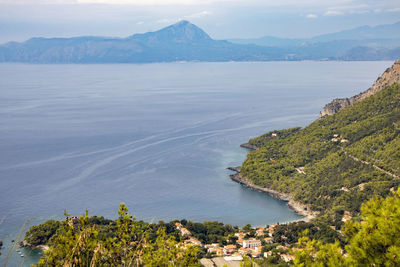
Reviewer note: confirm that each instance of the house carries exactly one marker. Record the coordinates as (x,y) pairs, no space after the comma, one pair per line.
(193,241)
(240,235)
(216,250)
(344,141)
(271,229)
(260,231)
(178,225)
(184,231)
(258,234)
(346,218)
(274,134)
(240,242)
(244,251)
(251,243)
(281,247)
(287,257)
(230,249)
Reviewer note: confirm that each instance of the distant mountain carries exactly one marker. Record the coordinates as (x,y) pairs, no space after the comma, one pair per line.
(381,42)
(384,35)
(388,31)
(184,41)
(270,41)
(181,32)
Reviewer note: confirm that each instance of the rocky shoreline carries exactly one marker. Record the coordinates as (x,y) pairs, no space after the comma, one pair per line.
(296,206)
(25,244)
(248,146)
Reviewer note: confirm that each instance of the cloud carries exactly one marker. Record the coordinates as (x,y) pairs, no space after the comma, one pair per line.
(311,16)
(319,4)
(333,13)
(111,2)
(198,15)
(150,2)
(190,2)
(34,2)
(139,22)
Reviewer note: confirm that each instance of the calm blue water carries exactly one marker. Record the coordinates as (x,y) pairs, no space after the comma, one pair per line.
(158,136)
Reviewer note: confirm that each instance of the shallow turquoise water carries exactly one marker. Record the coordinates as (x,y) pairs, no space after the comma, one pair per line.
(157,136)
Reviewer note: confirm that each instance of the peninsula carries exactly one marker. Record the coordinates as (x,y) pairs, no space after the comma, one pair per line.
(329,168)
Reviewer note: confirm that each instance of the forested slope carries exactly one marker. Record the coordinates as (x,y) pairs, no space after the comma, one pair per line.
(337,162)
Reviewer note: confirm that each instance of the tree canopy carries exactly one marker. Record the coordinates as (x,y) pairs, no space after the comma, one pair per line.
(373,239)
(78,243)
(337,162)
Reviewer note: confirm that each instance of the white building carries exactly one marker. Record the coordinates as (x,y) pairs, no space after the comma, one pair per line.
(252,243)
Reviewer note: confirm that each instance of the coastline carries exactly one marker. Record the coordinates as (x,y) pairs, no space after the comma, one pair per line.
(296,206)
(248,146)
(25,244)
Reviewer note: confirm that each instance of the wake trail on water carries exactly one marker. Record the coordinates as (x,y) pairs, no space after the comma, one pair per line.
(90,170)
(77,155)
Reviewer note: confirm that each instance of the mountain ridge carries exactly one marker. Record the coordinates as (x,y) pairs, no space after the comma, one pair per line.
(184,41)
(365,32)
(388,78)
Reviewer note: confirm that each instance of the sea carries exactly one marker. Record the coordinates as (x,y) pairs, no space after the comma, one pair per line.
(157,137)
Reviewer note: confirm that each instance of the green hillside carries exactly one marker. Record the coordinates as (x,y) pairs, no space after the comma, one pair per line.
(337,162)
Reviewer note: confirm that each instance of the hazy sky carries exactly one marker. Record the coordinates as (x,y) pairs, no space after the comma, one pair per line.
(222,19)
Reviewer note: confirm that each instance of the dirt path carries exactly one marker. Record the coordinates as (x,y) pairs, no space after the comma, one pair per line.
(371,164)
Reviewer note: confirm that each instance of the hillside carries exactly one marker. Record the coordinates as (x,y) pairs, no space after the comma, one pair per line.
(337,162)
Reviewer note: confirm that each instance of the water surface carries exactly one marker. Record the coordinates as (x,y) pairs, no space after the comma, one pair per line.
(156,136)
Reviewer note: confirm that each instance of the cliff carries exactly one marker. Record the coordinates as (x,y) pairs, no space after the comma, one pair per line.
(389,77)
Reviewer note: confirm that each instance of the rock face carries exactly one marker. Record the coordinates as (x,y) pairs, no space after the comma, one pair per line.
(389,77)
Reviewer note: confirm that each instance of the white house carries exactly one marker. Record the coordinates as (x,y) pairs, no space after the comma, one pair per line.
(251,243)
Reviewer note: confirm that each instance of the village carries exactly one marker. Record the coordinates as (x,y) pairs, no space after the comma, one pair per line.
(255,243)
